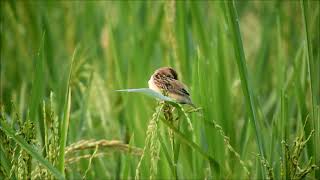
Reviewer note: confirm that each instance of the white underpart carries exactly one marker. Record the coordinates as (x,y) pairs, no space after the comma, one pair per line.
(153,86)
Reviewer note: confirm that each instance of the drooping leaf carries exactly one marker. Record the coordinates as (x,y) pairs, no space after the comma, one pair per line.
(149,92)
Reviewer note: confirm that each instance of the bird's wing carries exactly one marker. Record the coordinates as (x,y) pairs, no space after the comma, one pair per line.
(171,85)
(177,87)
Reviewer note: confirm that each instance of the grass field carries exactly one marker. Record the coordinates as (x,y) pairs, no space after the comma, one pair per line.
(252,68)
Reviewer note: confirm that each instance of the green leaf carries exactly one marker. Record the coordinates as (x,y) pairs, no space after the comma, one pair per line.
(166,154)
(313,79)
(64,132)
(242,67)
(243,72)
(64,124)
(193,145)
(38,89)
(33,152)
(149,92)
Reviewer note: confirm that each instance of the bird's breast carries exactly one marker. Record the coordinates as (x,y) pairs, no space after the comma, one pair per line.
(152,85)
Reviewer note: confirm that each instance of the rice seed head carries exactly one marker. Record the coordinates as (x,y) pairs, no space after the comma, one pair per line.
(290,166)
(152,144)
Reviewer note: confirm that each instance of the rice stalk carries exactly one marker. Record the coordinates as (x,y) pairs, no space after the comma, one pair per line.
(152,144)
(14,163)
(247,88)
(291,168)
(64,131)
(313,146)
(21,161)
(23,139)
(213,163)
(226,140)
(266,164)
(185,113)
(169,117)
(51,146)
(64,123)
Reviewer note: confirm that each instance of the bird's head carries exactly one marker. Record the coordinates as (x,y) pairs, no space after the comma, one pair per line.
(167,72)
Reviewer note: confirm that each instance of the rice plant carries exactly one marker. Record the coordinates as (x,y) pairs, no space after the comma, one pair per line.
(75,102)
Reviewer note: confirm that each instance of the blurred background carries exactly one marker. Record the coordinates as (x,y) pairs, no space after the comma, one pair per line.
(118,45)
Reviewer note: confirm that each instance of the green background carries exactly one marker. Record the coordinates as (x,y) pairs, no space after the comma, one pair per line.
(259,89)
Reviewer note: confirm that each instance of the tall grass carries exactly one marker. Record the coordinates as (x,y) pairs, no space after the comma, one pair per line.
(252,68)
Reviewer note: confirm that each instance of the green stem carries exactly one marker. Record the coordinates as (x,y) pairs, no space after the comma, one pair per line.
(312,146)
(64,124)
(241,62)
(193,145)
(243,72)
(64,133)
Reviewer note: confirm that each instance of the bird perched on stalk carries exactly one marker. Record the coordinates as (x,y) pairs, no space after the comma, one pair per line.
(165,81)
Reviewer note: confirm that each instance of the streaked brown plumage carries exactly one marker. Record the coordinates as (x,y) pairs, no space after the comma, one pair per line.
(165,79)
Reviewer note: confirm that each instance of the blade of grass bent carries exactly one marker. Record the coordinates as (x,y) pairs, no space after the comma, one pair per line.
(241,63)
(29,149)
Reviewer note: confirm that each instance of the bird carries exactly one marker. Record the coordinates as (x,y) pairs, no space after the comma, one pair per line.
(165,81)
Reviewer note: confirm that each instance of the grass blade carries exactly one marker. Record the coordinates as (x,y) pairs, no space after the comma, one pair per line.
(193,145)
(64,124)
(64,132)
(84,108)
(201,33)
(311,145)
(241,62)
(38,90)
(166,153)
(31,151)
